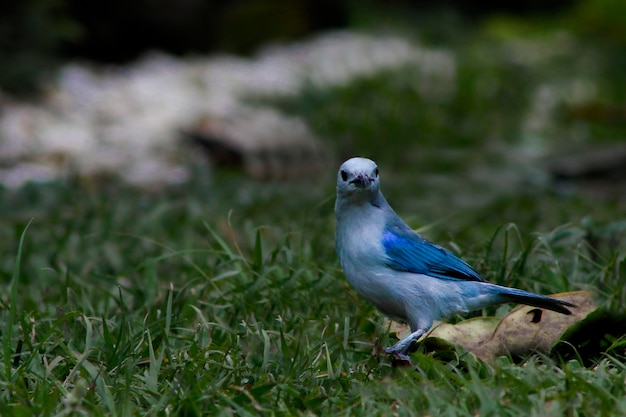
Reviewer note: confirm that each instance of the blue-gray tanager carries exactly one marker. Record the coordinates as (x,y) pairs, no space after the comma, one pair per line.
(404,275)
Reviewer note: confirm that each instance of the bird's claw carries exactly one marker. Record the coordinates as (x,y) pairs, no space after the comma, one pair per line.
(399,358)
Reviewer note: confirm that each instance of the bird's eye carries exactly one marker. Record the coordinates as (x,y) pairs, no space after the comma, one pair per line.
(376,172)
(344,175)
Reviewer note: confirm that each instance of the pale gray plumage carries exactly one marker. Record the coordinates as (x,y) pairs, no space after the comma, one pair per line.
(405,276)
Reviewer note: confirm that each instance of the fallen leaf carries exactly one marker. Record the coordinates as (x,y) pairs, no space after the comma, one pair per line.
(469,334)
(530,329)
(602,331)
(401,330)
(524,330)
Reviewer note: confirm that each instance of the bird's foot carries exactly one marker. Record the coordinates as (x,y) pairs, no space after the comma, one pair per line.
(399,358)
(401,350)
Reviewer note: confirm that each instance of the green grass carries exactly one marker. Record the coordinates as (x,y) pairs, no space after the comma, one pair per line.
(174,304)
(224,296)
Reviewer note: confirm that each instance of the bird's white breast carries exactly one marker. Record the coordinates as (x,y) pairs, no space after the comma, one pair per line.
(359,236)
(363,259)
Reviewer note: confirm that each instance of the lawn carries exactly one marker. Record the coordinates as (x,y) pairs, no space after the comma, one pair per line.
(223,296)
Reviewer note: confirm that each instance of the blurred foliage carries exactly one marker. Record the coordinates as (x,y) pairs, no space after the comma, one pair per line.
(36,34)
(30,35)
(596,24)
(243,26)
(195,26)
(604,18)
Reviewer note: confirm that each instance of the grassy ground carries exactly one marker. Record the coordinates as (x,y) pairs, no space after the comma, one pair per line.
(224,296)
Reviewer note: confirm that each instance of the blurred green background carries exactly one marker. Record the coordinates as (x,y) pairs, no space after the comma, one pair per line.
(466,147)
(37,34)
(516,91)
(224,293)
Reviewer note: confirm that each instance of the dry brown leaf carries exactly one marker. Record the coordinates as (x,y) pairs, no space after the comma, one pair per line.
(401,330)
(524,330)
(530,329)
(469,334)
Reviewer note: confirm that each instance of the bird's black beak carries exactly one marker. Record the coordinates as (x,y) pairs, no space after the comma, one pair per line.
(361,181)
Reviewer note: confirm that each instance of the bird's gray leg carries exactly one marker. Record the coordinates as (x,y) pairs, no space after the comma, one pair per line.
(401,349)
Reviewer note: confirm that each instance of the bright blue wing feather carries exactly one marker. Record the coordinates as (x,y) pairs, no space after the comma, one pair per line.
(408,251)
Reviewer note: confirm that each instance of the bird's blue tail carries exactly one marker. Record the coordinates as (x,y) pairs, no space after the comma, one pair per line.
(514,295)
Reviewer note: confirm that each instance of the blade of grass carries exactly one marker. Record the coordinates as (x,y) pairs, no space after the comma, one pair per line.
(8,339)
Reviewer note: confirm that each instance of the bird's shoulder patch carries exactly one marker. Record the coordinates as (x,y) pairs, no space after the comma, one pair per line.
(409,252)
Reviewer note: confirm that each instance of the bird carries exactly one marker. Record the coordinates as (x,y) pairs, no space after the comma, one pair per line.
(404,275)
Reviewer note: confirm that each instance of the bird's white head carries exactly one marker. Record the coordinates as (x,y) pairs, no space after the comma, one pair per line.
(358,176)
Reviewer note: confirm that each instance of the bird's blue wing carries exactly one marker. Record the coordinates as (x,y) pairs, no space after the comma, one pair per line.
(410,252)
